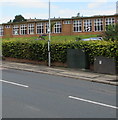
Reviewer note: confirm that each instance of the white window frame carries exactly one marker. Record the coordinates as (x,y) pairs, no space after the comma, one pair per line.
(98,24)
(40,28)
(109,21)
(1,30)
(15,30)
(58,27)
(23,29)
(77,26)
(7,26)
(46,28)
(67,22)
(31,29)
(87,25)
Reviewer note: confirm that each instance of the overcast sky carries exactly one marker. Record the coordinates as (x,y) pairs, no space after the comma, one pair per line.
(59,8)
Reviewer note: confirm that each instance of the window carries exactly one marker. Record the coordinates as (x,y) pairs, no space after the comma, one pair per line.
(109,21)
(30,28)
(1,30)
(98,24)
(15,30)
(40,28)
(46,27)
(87,25)
(77,25)
(23,29)
(57,27)
(67,22)
(7,26)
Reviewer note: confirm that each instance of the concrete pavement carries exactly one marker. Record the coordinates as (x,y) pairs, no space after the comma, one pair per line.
(67,72)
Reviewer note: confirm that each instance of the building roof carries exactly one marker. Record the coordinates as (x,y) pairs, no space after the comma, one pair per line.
(56,19)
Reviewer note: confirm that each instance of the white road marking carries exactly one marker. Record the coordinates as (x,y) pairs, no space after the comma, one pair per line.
(13,83)
(93,102)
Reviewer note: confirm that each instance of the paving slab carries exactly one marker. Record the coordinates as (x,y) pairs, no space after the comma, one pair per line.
(66,72)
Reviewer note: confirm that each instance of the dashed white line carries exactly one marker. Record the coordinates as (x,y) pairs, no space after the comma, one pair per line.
(13,83)
(93,102)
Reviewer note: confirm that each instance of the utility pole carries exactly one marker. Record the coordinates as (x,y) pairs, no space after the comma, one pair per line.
(117,7)
(49,30)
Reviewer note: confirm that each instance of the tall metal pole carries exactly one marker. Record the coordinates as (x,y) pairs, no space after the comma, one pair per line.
(49,30)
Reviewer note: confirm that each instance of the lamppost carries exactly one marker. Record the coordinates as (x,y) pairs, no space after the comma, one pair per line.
(49,57)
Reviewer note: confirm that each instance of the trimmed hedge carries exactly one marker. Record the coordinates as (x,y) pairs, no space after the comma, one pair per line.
(37,50)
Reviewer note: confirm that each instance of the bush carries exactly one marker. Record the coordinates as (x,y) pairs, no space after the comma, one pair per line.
(111,33)
(37,50)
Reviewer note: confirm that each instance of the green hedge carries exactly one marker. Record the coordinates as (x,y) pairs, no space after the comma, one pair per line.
(37,50)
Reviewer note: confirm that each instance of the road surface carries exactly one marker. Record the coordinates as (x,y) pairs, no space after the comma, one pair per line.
(35,95)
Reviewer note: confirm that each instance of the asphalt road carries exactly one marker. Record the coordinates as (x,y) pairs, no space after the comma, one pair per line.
(35,95)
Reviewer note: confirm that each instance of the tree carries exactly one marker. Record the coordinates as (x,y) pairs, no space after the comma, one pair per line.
(111,32)
(19,18)
(51,26)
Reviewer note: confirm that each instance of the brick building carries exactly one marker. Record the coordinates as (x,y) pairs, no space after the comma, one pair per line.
(62,26)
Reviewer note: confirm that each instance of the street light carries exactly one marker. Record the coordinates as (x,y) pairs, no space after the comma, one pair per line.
(49,57)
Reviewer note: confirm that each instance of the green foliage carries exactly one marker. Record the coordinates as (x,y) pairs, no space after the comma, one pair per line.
(55,38)
(78,38)
(37,49)
(52,25)
(19,18)
(111,33)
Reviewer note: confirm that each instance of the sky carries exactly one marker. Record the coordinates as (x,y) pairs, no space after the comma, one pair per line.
(58,8)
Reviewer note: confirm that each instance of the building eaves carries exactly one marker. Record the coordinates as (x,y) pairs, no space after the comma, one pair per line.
(58,19)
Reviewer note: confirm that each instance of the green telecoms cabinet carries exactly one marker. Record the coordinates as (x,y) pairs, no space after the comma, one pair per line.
(77,58)
(105,65)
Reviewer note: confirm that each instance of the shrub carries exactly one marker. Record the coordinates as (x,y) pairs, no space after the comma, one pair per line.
(37,50)
(111,33)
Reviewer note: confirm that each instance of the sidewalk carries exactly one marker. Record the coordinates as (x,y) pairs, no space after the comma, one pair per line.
(66,72)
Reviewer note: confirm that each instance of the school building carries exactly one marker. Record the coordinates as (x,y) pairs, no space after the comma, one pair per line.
(61,26)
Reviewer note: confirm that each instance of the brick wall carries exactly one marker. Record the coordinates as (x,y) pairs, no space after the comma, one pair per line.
(67,29)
